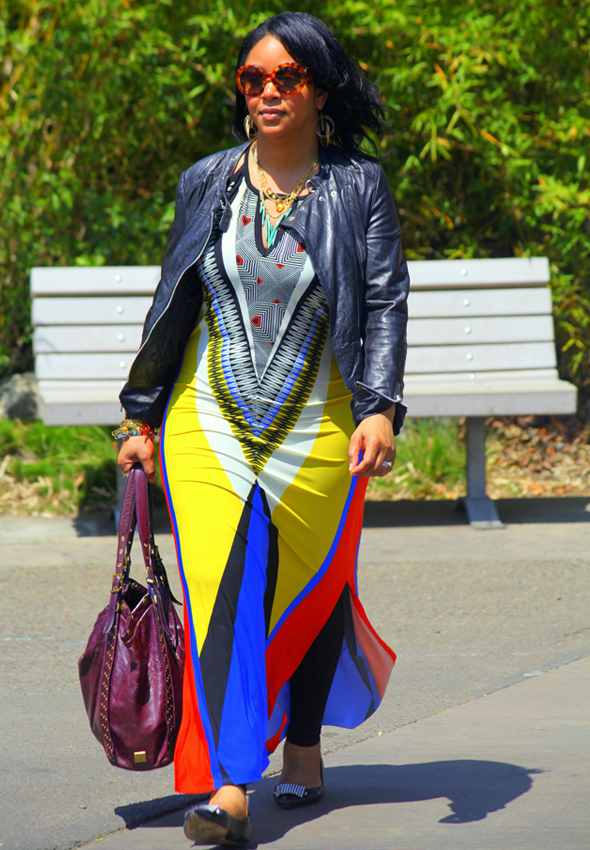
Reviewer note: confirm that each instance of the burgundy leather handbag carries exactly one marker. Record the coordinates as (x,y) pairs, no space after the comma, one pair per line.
(131,670)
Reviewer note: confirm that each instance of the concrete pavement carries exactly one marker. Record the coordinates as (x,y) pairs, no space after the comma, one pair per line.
(508,770)
(466,611)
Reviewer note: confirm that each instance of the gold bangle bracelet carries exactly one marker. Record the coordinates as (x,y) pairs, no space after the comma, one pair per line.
(133,428)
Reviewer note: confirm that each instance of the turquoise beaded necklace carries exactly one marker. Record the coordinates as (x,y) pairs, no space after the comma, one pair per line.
(282,203)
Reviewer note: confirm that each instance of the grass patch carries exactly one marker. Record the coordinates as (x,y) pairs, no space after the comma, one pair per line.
(65,470)
(526,456)
(59,469)
(430,462)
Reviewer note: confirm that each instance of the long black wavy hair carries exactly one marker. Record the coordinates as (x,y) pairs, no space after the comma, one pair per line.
(354,103)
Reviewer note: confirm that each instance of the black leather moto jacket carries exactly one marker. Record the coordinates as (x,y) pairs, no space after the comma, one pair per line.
(350,228)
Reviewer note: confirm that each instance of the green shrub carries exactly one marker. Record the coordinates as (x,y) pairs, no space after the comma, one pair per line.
(430,462)
(103,103)
(72,468)
(59,469)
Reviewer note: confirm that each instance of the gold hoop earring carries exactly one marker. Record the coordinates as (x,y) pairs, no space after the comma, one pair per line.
(250,128)
(325,129)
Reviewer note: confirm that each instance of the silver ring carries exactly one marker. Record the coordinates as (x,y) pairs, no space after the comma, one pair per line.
(387,464)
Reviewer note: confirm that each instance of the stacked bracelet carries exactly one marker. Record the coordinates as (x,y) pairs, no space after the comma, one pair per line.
(133,428)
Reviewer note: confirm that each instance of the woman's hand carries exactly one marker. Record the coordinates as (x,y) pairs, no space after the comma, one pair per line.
(374,437)
(136,449)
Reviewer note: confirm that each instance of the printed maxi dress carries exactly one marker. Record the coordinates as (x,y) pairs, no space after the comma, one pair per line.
(266,517)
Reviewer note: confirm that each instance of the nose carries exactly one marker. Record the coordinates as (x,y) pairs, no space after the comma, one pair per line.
(270,92)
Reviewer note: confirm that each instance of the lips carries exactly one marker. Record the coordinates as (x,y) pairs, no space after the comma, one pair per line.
(270,113)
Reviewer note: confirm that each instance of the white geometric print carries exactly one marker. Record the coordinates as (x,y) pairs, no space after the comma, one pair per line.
(268,276)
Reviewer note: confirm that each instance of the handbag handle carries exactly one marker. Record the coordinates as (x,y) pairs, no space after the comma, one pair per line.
(144,514)
(156,572)
(145,527)
(136,512)
(126,530)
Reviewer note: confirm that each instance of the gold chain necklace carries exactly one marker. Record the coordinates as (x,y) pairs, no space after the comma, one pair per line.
(282,204)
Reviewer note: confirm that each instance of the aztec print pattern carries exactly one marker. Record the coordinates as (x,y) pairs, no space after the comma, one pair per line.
(262,411)
(268,278)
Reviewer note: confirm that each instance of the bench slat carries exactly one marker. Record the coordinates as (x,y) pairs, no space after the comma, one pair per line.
(491,398)
(424,274)
(493,377)
(103,390)
(421,359)
(61,412)
(498,394)
(464,274)
(480,358)
(70,338)
(463,331)
(90,311)
(80,402)
(519,301)
(88,366)
(103,280)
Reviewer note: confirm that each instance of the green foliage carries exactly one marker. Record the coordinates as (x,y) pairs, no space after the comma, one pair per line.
(75,467)
(103,103)
(430,462)
(69,469)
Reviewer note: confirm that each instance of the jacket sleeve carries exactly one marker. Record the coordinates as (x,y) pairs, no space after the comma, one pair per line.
(176,231)
(142,397)
(385,312)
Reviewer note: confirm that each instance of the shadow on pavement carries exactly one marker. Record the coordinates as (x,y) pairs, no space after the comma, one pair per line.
(512,511)
(173,805)
(402,514)
(103,525)
(474,788)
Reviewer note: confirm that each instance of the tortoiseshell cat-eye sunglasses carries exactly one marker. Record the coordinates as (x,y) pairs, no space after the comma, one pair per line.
(289,78)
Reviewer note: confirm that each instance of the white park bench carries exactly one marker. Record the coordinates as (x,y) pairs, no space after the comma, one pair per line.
(480,343)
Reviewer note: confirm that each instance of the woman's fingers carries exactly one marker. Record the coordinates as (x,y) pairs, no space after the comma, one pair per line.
(380,464)
(386,465)
(379,468)
(138,449)
(354,451)
(370,453)
(374,435)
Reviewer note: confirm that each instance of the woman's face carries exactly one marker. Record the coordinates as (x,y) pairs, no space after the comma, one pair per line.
(279,115)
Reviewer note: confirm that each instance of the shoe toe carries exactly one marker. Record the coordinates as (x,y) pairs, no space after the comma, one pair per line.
(289,796)
(208,824)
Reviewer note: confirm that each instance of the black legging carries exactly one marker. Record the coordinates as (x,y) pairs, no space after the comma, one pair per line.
(310,684)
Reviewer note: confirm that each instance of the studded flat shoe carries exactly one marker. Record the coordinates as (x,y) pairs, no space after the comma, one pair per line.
(290,796)
(208,824)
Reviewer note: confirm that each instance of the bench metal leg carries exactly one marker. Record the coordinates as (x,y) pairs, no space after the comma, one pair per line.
(481,510)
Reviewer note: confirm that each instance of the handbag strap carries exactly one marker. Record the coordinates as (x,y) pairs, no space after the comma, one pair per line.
(143,508)
(126,530)
(137,512)
(157,580)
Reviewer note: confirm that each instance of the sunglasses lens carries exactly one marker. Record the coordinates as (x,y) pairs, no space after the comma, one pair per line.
(289,80)
(251,82)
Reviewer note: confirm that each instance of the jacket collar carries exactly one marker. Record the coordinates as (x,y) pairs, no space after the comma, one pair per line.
(227,165)
(327,157)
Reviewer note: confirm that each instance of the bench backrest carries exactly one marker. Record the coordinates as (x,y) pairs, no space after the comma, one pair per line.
(480,317)
(467,317)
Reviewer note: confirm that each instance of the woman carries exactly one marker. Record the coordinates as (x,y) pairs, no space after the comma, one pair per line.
(273,351)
